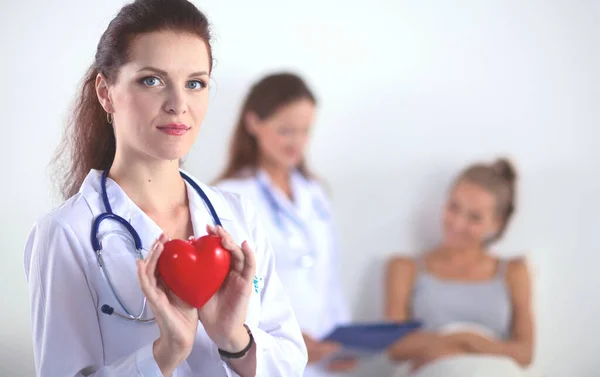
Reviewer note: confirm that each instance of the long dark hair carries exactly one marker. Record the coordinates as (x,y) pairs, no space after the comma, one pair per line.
(89,140)
(264,99)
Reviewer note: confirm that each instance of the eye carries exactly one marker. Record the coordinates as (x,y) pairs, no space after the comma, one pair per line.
(453,207)
(195,84)
(475,217)
(150,81)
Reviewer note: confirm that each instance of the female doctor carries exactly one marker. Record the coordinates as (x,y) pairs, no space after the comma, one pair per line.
(139,111)
(266,166)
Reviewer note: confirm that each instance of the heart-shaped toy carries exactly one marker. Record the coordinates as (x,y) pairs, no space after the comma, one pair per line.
(194,270)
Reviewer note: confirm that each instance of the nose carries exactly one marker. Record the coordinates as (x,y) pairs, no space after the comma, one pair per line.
(176,102)
(459,224)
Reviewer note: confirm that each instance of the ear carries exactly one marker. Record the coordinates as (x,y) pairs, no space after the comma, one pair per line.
(103,93)
(252,123)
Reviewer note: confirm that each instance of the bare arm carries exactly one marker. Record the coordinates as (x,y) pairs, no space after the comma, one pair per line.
(520,345)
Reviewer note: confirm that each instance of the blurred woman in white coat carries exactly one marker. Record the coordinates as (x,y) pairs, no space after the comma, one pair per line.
(267,166)
(91,263)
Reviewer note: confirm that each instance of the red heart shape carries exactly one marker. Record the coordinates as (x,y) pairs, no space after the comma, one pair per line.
(194,270)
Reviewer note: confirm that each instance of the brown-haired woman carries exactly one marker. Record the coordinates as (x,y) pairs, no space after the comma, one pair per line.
(266,165)
(139,111)
(469,301)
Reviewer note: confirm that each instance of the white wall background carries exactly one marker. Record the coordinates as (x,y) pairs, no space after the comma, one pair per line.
(410,92)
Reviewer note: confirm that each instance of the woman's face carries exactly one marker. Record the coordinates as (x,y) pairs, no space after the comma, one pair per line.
(159,98)
(282,137)
(470,216)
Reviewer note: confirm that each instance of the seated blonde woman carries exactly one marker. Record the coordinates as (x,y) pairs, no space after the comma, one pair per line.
(473,306)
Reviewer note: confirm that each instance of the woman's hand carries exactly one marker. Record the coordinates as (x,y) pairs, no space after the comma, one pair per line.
(318,350)
(342,365)
(223,316)
(442,347)
(177,320)
(472,342)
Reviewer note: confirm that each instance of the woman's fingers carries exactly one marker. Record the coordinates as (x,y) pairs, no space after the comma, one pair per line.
(147,288)
(237,256)
(211,230)
(327,348)
(147,269)
(342,365)
(249,269)
(152,258)
(242,258)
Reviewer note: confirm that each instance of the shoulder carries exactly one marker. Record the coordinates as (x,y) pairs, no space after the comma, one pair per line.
(314,184)
(62,229)
(244,186)
(518,277)
(516,268)
(70,215)
(76,213)
(400,265)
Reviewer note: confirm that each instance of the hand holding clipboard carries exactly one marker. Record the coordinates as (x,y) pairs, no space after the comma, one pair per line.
(365,339)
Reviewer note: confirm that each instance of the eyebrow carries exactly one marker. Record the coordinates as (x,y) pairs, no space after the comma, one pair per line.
(164,73)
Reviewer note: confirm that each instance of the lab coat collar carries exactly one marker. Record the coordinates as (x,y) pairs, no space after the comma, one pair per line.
(147,229)
(299,185)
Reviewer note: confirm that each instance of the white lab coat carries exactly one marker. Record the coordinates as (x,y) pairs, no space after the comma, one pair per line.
(72,337)
(315,292)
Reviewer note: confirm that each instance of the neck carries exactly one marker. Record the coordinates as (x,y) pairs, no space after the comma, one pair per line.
(462,256)
(154,186)
(280,175)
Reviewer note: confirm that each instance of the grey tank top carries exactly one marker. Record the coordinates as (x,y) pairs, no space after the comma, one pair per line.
(438,302)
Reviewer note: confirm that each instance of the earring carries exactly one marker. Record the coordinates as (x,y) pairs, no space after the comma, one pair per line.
(109,118)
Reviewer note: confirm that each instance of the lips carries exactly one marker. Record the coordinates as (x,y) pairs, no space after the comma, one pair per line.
(176,129)
(174,126)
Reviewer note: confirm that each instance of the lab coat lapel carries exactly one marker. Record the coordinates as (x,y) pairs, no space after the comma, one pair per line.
(201,215)
(120,205)
(280,198)
(302,196)
(146,228)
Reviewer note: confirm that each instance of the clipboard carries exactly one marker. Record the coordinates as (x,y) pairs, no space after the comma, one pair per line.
(368,339)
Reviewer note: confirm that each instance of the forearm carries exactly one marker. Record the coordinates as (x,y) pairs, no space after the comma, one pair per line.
(245,366)
(520,351)
(412,346)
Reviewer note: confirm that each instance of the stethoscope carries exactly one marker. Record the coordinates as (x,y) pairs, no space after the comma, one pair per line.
(107,309)
(308,259)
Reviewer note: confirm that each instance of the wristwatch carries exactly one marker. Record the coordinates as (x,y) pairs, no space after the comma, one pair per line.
(242,353)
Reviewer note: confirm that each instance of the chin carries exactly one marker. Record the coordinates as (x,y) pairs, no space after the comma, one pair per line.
(292,163)
(454,243)
(170,155)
